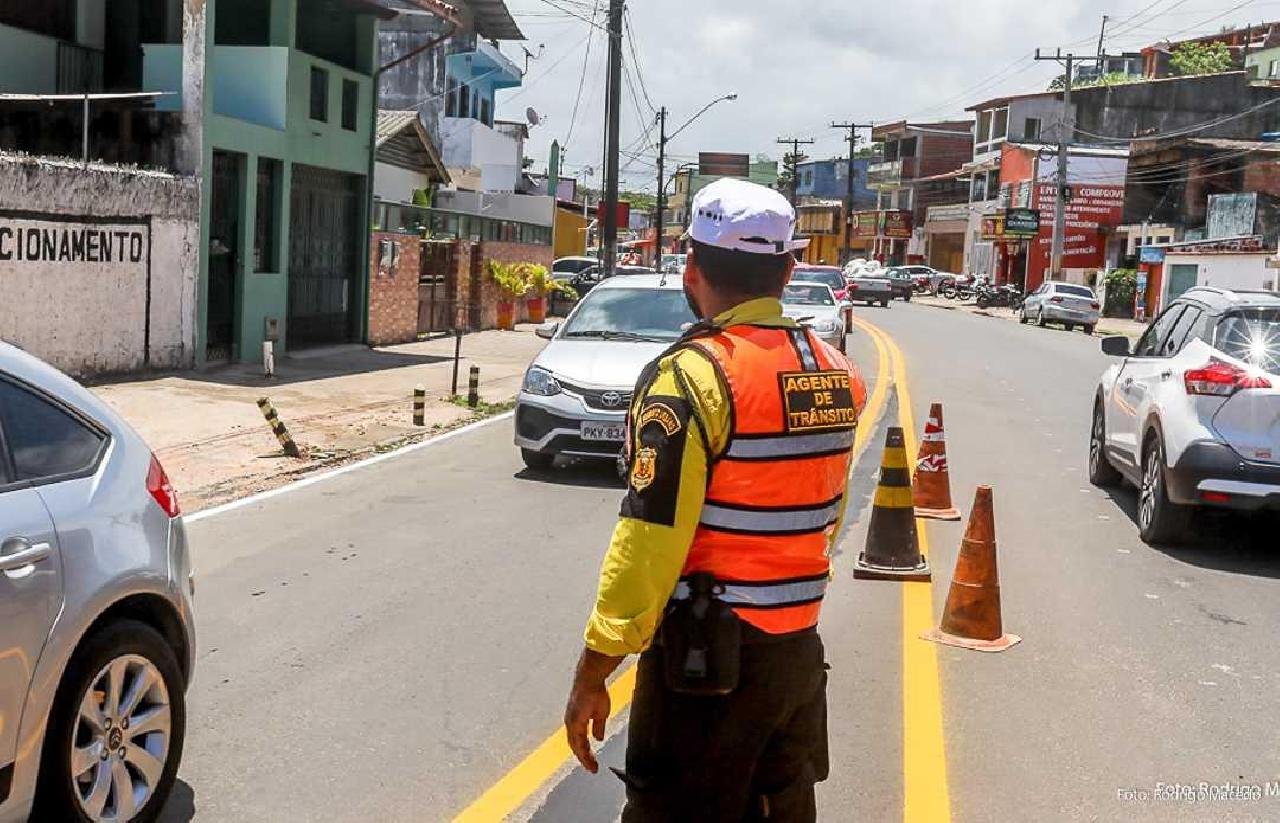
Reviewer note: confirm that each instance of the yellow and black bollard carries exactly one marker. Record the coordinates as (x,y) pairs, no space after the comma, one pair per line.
(281,433)
(473,387)
(419,406)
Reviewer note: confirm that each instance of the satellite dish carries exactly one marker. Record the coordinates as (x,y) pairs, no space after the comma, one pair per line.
(532,116)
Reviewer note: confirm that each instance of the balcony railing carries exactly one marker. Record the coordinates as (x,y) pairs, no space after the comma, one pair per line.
(79,69)
(442,224)
(889,171)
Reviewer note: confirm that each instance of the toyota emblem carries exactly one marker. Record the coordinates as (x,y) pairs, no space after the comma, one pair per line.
(612,399)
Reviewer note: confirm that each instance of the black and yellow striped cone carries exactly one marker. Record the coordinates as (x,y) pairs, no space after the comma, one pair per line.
(893,550)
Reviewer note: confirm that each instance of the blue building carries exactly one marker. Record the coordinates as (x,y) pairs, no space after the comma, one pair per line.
(825,180)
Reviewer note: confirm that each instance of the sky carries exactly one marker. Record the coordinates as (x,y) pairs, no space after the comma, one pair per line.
(798,66)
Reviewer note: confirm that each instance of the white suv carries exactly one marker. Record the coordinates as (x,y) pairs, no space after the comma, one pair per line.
(1192,415)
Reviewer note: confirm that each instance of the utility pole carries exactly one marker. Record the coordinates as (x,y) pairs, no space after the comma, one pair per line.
(795,143)
(1065,136)
(662,153)
(848,199)
(1102,35)
(613,109)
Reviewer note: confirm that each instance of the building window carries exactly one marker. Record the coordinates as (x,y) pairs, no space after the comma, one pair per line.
(319,94)
(265,218)
(486,111)
(908,147)
(464,100)
(56,18)
(1031,129)
(1274,69)
(451,99)
(1000,125)
(350,104)
(984,127)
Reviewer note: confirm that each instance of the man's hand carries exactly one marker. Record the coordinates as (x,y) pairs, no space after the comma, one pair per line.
(588,704)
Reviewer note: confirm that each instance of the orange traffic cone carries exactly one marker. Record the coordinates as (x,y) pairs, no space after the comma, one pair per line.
(971,618)
(893,550)
(931,488)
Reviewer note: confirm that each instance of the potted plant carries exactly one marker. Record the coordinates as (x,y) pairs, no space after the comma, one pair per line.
(511,287)
(540,284)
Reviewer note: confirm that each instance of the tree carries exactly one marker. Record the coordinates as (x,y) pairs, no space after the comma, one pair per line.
(1201,58)
(638,200)
(1115,78)
(789,162)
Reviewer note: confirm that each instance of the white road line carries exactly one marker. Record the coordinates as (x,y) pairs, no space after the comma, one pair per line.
(341,470)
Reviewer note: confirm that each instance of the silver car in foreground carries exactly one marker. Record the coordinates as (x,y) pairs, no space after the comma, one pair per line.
(1066,303)
(815,305)
(575,394)
(96,637)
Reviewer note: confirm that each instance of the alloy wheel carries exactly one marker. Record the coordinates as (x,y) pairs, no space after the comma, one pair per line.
(121,739)
(1150,489)
(1095,442)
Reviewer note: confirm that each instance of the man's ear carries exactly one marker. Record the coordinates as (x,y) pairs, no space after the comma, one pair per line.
(791,268)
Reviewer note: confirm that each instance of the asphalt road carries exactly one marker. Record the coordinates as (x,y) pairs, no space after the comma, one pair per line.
(388,644)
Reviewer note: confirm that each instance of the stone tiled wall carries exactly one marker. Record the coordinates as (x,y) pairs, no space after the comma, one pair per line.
(393,290)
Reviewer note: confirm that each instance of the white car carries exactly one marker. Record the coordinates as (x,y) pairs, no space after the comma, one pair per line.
(1066,303)
(1191,416)
(576,393)
(815,305)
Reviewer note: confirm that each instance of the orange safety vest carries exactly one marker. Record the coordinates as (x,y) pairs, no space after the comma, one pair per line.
(775,492)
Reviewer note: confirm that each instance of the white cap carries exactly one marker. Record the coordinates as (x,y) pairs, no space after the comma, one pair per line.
(736,214)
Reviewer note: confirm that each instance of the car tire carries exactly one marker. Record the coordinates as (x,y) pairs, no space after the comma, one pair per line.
(537,461)
(906,298)
(884,304)
(1040,321)
(1088,329)
(1022,317)
(1159,519)
(57,792)
(1068,326)
(1101,473)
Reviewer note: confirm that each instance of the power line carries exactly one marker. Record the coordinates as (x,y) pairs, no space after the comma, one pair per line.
(582,79)
(635,60)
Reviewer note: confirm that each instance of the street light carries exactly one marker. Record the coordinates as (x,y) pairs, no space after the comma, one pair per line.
(663,140)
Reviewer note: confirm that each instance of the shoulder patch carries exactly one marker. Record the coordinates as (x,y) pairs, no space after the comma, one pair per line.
(655,453)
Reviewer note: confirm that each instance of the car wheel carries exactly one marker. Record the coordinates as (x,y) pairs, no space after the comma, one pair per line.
(906,298)
(1022,316)
(116,729)
(884,304)
(1040,318)
(1101,472)
(1069,326)
(1159,520)
(538,461)
(1088,330)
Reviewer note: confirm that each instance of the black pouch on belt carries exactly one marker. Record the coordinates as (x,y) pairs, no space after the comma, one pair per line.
(701,641)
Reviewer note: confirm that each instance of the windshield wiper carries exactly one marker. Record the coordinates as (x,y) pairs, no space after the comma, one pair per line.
(604,334)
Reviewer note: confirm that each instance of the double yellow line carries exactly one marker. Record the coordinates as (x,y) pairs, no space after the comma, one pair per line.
(924,766)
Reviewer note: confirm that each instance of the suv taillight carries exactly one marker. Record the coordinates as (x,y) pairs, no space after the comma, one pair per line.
(1055,299)
(1095,305)
(161,489)
(1222,379)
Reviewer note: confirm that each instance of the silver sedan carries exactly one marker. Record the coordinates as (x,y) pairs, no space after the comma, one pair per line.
(96,639)
(815,305)
(1066,303)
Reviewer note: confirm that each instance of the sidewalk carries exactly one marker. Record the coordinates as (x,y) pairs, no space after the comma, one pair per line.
(339,404)
(1107,326)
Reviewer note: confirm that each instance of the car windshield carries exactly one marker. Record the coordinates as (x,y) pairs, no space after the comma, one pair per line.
(1253,337)
(830,278)
(804,294)
(631,314)
(1075,291)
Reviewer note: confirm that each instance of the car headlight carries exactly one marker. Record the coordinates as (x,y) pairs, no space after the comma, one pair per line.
(824,326)
(539,381)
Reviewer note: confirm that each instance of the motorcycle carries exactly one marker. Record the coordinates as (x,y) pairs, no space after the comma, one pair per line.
(1007,295)
(959,288)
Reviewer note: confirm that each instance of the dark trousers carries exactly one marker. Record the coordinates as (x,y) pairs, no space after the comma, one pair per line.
(754,754)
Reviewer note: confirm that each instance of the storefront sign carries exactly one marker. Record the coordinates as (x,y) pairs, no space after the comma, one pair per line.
(1021,222)
(895,224)
(865,223)
(723,164)
(37,242)
(1150,254)
(993,227)
(1231,215)
(1093,212)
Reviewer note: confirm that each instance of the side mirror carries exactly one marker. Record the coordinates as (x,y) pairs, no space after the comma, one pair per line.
(547,330)
(1115,346)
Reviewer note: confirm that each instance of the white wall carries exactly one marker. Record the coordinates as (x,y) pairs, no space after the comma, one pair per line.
(1244,272)
(397,184)
(90,316)
(470,144)
(527,208)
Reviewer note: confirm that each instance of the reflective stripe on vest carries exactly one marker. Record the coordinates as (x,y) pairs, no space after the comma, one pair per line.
(798,520)
(790,446)
(775,595)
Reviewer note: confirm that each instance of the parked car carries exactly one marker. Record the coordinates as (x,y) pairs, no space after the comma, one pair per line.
(1191,416)
(902,282)
(870,289)
(1066,303)
(572,265)
(816,306)
(827,275)
(95,607)
(575,395)
(926,278)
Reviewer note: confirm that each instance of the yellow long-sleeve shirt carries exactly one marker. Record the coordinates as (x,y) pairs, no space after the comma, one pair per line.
(668,484)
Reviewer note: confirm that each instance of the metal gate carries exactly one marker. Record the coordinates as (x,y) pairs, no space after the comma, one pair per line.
(437,287)
(324,247)
(224,241)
